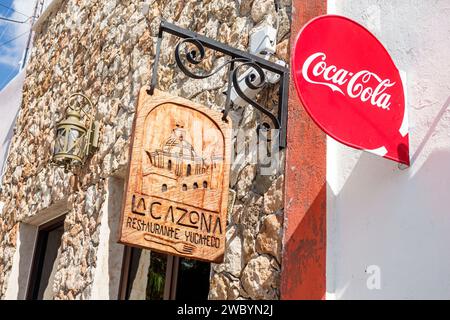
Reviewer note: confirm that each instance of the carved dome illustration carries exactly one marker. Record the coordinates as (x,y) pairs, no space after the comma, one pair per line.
(177,145)
(184,161)
(177,156)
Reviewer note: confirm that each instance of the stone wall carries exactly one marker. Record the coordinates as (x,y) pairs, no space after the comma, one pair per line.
(106,49)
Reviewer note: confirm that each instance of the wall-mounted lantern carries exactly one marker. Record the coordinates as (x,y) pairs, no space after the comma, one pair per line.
(77,134)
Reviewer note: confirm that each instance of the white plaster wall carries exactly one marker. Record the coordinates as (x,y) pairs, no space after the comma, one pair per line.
(378,215)
(110,253)
(10,100)
(23,255)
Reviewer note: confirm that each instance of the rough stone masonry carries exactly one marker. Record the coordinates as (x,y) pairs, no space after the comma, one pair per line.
(106,50)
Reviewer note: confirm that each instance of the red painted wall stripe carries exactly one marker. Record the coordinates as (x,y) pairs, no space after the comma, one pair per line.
(304,241)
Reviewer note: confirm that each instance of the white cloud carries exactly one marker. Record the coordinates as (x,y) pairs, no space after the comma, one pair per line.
(11,54)
(10,58)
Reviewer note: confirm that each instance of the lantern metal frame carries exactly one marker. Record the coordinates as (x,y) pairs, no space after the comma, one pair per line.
(73,150)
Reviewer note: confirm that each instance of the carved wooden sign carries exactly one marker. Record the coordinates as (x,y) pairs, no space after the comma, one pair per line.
(177,190)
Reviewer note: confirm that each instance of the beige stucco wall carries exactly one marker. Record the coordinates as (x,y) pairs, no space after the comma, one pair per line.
(105,49)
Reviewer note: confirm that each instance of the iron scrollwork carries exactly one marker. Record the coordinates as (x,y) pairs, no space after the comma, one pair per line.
(254,86)
(195,56)
(190,52)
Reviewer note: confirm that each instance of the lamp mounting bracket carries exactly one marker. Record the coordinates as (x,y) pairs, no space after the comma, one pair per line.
(238,62)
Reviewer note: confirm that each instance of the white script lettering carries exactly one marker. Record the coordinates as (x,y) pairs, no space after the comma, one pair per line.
(358,86)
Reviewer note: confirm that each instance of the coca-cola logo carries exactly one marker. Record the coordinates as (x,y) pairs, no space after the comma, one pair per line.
(355,85)
(350,86)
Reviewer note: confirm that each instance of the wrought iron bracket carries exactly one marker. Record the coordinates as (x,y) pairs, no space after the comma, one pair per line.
(238,60)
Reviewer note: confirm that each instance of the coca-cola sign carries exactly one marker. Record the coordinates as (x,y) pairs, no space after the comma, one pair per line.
(350,86)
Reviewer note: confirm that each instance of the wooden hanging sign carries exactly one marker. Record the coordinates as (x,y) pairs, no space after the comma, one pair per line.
(177,190)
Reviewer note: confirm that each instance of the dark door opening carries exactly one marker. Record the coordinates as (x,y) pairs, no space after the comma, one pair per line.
(156,276)
(44,259)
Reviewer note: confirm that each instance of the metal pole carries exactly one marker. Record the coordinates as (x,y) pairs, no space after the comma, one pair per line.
(30,35)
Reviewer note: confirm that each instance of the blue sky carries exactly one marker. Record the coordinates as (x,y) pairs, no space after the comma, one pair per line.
(11,53)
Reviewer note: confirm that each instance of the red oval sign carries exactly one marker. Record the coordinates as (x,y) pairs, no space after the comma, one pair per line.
(350,86)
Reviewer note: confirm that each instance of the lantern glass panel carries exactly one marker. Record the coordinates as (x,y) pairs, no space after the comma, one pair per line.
(75,142)
(60,140)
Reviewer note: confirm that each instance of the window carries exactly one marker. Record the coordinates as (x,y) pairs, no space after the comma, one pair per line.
(157,276)
(45,259)
(188,170)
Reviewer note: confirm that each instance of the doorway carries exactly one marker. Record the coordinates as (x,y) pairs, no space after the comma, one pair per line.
(45,259)
(150,275)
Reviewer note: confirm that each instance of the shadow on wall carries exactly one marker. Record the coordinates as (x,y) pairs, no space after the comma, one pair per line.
(381,218)
(397,222)
(431,129)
